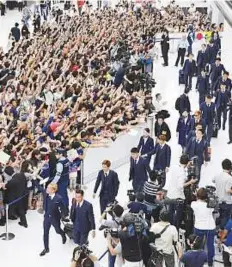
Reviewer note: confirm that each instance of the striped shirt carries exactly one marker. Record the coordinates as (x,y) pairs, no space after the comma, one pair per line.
(150,190)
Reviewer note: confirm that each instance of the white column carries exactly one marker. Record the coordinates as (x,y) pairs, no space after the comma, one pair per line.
(226,47)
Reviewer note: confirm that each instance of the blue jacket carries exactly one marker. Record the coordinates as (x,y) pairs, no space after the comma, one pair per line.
(147,147)
(109,184)
(208,113)
(82,217)
(200,150)
(162,156)
(216,71)
(54,208)
(185,104)
(189,67)
(211,53)
(138,171)
(227,82)
(193,124)
(182,129)
(202,59)
(203,84)
(222,99)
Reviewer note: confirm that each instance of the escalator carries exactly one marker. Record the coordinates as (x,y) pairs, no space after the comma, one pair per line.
(225,7)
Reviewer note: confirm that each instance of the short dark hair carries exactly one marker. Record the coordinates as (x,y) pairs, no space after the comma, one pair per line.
(106,162)
(209,96)
(79,191)
(147,130)
(184,159)
(226,72)
(227,165)
(118,210)
(202,194)
(201,130)
(134,150)
(218,58)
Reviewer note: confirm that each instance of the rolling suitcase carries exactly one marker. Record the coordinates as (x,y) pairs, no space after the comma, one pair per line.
(181,77)
(68,229)
(215,130)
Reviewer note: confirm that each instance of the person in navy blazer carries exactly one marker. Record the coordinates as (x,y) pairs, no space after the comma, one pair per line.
(215,72)
(197,146)
(222,99)
(109,185)
(192,133)
(82,217)
(146,144)
(138,170)
(211,52)
(184,102)
(189,70)
(202,59)
(182,127)
(208,110)
(202,86)
(195,120)
(162,160)
(225,80)
(55,209)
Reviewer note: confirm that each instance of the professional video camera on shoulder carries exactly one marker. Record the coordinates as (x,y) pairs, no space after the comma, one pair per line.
(193,169)
(212,199)
(83,257)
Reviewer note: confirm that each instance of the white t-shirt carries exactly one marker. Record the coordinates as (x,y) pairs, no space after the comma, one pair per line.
(203,216)
(223,183)
(175,182)
(167,238)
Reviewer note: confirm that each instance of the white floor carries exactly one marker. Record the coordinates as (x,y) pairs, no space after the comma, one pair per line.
(24,250)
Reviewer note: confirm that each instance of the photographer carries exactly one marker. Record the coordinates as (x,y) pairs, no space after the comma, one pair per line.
(137,205)
(82,257)
(115,249)
(165,235)
(176,184)
(223,183)
(204,225)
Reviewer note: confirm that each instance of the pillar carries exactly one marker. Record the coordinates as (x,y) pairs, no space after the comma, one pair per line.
(226,47)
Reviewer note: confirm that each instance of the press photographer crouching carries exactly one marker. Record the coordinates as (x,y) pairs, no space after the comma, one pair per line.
(204,225)
(83,257)
(113,223)
(136,203)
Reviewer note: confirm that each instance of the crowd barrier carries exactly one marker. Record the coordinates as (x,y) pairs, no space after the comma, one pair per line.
(7,235)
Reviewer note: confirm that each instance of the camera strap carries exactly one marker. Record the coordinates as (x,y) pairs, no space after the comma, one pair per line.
(159,234)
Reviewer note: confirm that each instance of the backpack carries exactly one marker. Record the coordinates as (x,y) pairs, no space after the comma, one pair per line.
(177,103)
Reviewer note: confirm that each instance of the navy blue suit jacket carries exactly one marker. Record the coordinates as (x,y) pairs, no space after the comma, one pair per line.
(54,208)
(222,99)
(202,59)
(111,187)
(138,171)
(203,84)
(162,156)
(189,67)
(227,82)
(192,124)
(147,147)
(184,104)
(200,150)
(211,53)
(84,221)
(204,108)
(216,71)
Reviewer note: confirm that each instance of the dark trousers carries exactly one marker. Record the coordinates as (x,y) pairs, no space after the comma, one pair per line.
(62,191)
(169,260)
(176,211)
(165,57)
(99,3)
(3,9)
(201,98)
(181,54)
(222,113)
(20,6)
(48,222)
(190,50)
(209,132)
(209,236)
(188,81)
(111,260)
(80,238)
(19,209)
(230,130)
(137,185)
(225,211)
(226,259)
(104,201)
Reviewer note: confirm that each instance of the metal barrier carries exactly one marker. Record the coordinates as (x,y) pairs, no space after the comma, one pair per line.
(9,236)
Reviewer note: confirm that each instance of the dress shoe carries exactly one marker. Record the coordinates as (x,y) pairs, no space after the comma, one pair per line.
(23,224)
(13,217)
(230,142)
(64,239)
(45,251)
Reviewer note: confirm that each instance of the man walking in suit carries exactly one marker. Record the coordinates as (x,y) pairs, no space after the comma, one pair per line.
(109,185)
(216,71)
(202,86)
(146,144)
(54,210)
(189,71)
(138,170)
(202,59)
(208,110)
(82,217)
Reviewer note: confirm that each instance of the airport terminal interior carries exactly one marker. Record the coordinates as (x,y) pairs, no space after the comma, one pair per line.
(24,249)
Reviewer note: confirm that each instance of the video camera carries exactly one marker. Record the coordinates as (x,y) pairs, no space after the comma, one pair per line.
(135,220)
(146,81)
(193,169)
(212,199)
(131,195)
(113,232)
(84,250)
(111,206)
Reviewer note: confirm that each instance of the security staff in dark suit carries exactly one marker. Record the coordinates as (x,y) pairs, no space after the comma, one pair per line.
(189,70)
(211,51)
(54,209)
(197,146)
(222,99)
(138,170)
(225,80)
(146,144)
(181,129)
(162,160)
(184,102)
(216,41)
(192,133)
(202,86)
(161,128)
(202,59)
(165,47)
(208,110)
(109,185)
(82,217)
(62,175)
(197,119)
(215,72)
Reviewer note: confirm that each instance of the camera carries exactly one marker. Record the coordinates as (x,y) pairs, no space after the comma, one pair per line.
(113,232)
(193,169)
(131,195)
(212,199)
(135,220)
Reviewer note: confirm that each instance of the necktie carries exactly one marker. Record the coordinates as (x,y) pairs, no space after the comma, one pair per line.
(105,174)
